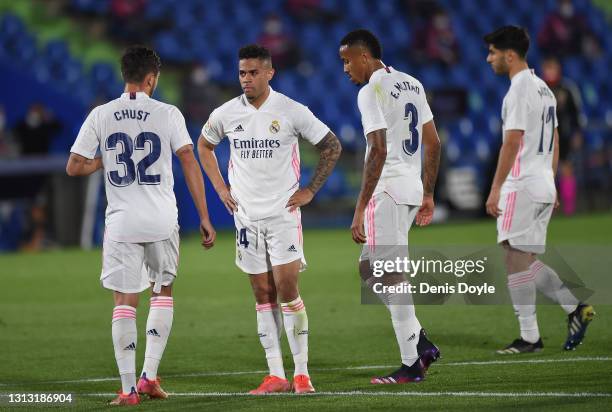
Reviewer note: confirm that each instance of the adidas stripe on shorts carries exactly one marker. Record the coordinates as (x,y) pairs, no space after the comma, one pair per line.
(523,222)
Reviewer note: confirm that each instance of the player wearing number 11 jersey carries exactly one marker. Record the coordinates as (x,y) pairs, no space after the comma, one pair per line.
(397,122)
(523,192)
(136,136)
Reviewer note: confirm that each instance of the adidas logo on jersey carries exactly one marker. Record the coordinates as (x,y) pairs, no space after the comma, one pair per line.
(292,249)
(239,128)
(131,346)
(153,332)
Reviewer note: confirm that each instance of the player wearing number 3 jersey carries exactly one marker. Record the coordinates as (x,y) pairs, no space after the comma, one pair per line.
(136,136)
(523,192)
(397,122)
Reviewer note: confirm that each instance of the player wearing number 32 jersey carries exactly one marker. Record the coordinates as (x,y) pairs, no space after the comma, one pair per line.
(523,192)
(136,136)
(397,123)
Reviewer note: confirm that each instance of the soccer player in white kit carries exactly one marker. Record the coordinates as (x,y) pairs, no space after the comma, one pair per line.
(136,136)
(263,128)
(523,193)
(397,122)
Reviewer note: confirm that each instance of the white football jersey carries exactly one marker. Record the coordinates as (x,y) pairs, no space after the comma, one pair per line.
(395,101)
(136,136)
(264,167)
(530,106)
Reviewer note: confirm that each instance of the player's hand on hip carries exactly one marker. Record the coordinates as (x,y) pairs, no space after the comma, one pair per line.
(426,211)
(300,198)
(228,201)
(208,233)
(492,204)
(357,228)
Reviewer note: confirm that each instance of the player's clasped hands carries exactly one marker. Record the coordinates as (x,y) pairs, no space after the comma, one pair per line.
(226,197)
(300,198)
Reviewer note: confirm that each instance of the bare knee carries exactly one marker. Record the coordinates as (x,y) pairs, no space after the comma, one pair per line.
(263,287)
(125,299)
(165,291)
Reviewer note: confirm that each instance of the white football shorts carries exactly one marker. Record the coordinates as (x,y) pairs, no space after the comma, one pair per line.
(272,241)
(523,222)
(131,267)
(386,225)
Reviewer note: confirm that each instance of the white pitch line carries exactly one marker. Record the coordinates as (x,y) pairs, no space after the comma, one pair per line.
(364,367)
(391,394)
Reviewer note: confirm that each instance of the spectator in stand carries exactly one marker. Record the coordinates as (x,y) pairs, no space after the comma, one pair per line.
(34,135)
(8,147)
(200,96)
(436,42)
(127,20)
(567,33)
(310,11)
(570,132)
(282,46)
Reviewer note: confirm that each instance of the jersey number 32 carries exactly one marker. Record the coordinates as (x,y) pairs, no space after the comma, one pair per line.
(124,158)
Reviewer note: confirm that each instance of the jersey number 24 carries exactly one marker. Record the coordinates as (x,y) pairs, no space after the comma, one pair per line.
(125,158)
(411,145)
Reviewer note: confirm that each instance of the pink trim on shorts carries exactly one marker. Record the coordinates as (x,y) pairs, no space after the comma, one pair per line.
(371,239)
(509,212)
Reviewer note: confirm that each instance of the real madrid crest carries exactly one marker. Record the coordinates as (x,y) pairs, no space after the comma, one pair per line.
(275,126)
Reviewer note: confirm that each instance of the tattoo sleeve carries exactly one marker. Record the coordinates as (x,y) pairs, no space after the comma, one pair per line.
(431,157)
(373,168)
(329,151)
(430,174)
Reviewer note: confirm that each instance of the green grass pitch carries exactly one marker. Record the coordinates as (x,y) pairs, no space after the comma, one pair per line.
(55,326)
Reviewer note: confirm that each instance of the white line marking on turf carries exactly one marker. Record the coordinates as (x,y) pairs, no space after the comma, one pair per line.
(389,393)
(364,367)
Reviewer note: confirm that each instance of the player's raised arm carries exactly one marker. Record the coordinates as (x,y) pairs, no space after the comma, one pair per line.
(329,151)
(81,166)
(195,183)
(377,154)
(206,151)
(507,156)
(431,149)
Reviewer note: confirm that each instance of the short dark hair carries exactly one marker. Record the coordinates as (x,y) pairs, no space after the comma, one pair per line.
(364,38)
(137,62)
(254,51)
(509,38)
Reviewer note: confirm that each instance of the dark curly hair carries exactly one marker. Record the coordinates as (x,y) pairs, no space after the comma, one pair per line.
(137,62)
(254,51)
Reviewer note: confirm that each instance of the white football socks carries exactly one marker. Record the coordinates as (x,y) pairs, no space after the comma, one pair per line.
(523,294)
(269,329)
(296,327)
(124,342)
(159,324)
(548,282)
(403,317)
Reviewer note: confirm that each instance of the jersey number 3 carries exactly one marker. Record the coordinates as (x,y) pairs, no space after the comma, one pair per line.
(131,170)
(411,145)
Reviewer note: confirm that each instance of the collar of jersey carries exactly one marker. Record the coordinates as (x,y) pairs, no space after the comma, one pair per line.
(139,95)
(381,71)
(245,101)
(520,74)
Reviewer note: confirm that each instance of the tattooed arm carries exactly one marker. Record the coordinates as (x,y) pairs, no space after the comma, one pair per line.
(81,166)
(329,151)
(431,163)
(377,144)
